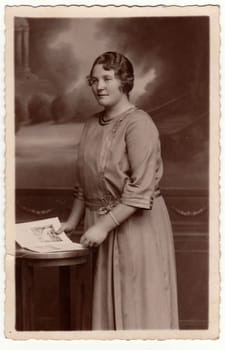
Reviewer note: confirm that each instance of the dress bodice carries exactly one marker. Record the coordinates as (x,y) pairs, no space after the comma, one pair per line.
(120,160)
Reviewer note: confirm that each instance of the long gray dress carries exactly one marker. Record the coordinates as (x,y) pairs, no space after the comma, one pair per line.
(135,274)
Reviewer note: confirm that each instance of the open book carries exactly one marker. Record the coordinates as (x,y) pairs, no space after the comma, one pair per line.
(40,236)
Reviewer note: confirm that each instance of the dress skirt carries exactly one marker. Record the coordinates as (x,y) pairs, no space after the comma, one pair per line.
(135,276)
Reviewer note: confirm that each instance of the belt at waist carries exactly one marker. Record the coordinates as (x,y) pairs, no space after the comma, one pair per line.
(157,192)
(104,206)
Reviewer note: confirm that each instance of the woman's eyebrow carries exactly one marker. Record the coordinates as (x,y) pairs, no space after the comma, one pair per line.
(103,76)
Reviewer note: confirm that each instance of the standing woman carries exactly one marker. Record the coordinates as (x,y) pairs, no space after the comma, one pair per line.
(119,169)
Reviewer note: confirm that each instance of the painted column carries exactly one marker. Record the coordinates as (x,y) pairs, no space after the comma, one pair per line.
(26,49)
(19,58)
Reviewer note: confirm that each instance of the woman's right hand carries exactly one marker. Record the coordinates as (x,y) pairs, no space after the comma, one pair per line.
(66,227)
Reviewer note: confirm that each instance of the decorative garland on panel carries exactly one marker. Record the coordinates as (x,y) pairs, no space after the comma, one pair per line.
(42,211)
(34,211)
(189,213)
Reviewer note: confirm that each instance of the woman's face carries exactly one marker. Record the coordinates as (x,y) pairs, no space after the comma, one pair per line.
(106,86)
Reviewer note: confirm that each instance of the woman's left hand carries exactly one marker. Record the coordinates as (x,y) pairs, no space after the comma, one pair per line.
(94,236)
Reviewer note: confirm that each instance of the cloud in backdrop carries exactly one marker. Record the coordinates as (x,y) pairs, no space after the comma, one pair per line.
(170,57)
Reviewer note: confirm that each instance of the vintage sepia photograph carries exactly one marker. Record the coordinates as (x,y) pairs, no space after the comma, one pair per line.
(112,127)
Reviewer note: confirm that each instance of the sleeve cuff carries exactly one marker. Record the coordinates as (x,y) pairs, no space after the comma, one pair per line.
(143,202)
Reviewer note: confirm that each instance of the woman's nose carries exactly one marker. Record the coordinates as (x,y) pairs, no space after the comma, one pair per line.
(100,84)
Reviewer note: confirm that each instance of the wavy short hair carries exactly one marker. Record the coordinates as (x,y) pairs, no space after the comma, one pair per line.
(121,65)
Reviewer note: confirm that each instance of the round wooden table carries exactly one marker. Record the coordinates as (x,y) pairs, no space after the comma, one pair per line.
(27,260)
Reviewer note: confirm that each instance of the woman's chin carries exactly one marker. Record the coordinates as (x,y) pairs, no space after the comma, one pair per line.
(102,103)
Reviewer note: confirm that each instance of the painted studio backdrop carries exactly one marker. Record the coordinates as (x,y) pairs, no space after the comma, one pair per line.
(53,57)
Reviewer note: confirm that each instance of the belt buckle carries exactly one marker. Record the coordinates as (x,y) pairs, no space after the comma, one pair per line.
(103,210)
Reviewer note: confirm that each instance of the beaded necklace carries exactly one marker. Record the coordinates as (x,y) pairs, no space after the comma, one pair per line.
(103,121)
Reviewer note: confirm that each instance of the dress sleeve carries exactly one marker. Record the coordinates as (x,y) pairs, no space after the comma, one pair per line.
(77,189)
(142,142)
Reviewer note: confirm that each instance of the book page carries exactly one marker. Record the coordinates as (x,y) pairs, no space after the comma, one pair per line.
(40,236)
